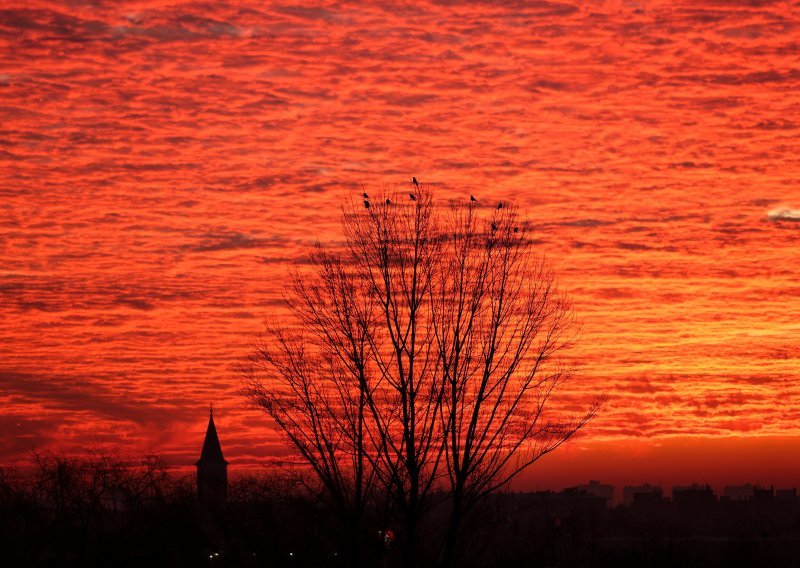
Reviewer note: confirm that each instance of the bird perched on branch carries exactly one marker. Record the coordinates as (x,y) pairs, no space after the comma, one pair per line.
(365,196)
(500,205)
(472,199)
(366,204)
(412,197)
(388,202)
(416,184)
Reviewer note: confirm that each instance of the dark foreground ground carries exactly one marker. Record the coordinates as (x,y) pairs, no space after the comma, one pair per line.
(72,519)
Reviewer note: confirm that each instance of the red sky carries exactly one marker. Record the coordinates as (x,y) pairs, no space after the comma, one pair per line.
(162,164)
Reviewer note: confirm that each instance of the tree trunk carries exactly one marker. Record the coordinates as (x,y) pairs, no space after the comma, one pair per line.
(451,538)
(353,544)
(410,544)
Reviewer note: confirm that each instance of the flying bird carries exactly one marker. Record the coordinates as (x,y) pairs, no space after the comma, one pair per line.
(365,196)
(366,204)
(416,184)
(472,199)
(412,197)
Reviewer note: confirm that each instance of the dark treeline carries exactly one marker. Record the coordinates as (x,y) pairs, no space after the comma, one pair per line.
(65,511)
(103,511)
(100,510)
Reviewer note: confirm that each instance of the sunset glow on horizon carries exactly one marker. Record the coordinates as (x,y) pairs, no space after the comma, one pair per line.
(164,165)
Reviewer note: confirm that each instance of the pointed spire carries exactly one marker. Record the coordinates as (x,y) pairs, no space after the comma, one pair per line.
(212,451)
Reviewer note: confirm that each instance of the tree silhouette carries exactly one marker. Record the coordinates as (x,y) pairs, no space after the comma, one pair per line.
(421,357)
(84,511)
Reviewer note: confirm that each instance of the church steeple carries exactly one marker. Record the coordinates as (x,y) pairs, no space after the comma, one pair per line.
(212,469)
(212,451)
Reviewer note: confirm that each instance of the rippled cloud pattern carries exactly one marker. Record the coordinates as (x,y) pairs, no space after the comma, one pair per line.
(162,164)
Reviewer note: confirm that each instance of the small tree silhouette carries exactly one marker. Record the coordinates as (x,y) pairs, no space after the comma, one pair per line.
(421,357)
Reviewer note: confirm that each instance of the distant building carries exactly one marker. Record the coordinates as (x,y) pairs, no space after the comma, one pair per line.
(569,501)
(693,497)
(641,493)
(738,492)
(212,469)
(598,489)
(763,494)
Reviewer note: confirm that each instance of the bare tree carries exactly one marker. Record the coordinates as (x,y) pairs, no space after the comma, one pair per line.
(315,385)
(500,324)
(421,357)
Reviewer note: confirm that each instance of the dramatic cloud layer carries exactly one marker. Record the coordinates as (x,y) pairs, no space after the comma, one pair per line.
(163,163)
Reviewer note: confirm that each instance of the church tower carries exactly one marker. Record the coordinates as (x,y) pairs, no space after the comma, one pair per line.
(212,469)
